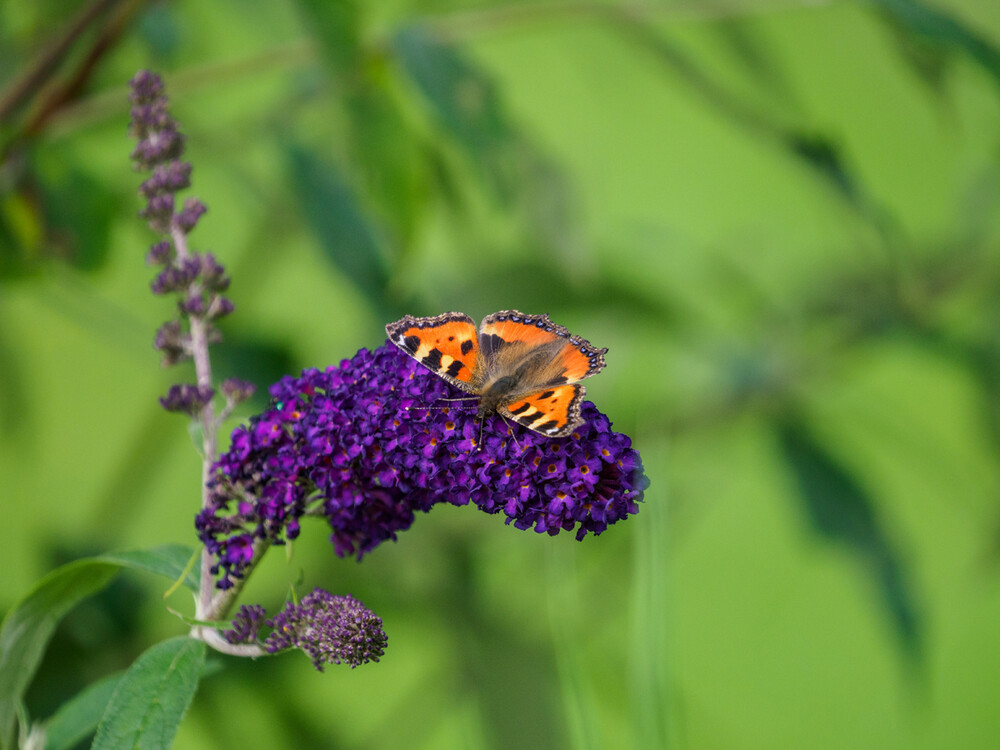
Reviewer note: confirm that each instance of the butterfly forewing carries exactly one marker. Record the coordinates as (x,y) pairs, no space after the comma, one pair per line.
(510,327)
(516,334)
(446,344)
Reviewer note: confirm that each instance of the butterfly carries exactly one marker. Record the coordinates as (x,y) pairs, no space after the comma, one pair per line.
(523,367)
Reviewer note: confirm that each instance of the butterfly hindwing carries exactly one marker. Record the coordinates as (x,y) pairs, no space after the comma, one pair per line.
(446,344)
(553,412)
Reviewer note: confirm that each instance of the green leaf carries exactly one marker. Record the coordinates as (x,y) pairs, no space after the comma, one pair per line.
(396,167)
(381,142)
(151,698)
(841,510)
(160,29)
(336,25)
(78,210)
(29,625)
(168,561)
(22,233)
(939,28)
(466,103)
(78,717)
(348,237)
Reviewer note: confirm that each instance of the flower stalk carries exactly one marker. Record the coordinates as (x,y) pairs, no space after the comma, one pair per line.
(197,280)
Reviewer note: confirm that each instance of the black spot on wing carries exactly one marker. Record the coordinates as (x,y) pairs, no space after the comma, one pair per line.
(433,359)
(547,394)
(549,426)
(522,408)
(454,368)
(411,344)
(467,346)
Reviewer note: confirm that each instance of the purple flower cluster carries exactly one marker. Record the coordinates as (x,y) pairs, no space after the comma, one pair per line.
(197,279)
(246,624)
(329,629)
(369,442)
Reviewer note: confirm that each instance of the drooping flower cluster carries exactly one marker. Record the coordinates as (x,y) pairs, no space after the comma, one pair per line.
(197,279)
(329,629)
(369,442)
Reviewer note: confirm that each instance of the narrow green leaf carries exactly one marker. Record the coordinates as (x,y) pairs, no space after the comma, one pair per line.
(78,717)
(336,24)
(78,209)
(332,209)
(381,142)
(151,698)
(755,54)
(841,510)
(30,623)
(937,27)
(395,165)
(466,103)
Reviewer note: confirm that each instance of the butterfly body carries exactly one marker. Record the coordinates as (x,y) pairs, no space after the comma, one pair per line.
(523,367)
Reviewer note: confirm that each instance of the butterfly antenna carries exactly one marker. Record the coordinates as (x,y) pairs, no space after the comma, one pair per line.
(428,408)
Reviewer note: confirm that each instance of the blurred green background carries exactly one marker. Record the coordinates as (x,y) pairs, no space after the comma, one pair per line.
(780,217)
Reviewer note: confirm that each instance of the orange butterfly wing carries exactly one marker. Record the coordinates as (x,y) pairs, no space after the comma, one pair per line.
(554,412)
(446,344)
(575,360)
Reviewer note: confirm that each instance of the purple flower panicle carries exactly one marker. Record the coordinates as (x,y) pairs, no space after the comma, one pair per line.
(369,442)
(197,280)
(330,629)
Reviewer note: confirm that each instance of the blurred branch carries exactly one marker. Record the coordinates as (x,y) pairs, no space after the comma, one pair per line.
(867,308)
(40,85)
(77,80)
(461,25)
(33,79)
(108,103)
(819,153)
